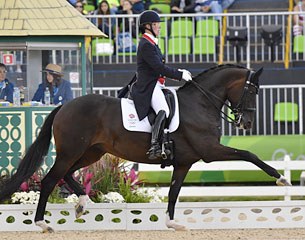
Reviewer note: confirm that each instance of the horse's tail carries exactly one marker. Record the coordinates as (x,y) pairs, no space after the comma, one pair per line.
(32,159)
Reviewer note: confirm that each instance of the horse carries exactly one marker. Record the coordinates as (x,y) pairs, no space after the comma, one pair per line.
(89,126)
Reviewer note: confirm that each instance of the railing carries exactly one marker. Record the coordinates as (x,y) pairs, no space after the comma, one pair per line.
(267,122)
(213,45)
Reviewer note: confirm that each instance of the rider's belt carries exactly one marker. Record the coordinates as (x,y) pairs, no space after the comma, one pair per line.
(161,80)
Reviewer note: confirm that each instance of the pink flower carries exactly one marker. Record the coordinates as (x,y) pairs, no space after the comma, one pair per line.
(24,186)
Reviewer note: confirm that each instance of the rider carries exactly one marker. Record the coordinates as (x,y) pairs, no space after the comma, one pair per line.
(151,72)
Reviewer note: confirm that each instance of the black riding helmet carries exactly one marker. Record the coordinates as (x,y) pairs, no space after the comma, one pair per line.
(148,17)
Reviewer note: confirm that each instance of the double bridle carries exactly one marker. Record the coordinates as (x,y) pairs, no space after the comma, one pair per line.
(239,109)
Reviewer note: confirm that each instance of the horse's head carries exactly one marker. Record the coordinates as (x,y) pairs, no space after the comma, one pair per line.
(243,99)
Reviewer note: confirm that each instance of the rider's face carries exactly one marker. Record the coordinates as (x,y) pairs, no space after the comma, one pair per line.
(156,28)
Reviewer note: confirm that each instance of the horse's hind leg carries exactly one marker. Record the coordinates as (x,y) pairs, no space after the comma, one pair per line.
(222,153)
(56,173)
(93,154)
(176,183)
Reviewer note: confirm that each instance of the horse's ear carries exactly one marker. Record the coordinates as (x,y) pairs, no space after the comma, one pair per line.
(257,75)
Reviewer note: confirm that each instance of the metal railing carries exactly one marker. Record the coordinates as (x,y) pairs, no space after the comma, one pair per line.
(265,122)
(187,50)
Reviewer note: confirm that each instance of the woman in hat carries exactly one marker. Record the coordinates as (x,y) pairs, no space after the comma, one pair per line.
(151,72)
(60,89)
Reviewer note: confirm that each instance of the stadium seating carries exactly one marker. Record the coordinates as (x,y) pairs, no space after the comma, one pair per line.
(299,44)
(286,112)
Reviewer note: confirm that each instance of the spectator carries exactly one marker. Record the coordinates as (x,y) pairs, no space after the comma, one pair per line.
(6,87)
(106,25)
(298,19)
(137,6)
(79,5)
(59,88)
(128,24)
(182,6)
(114,5)
(207,6)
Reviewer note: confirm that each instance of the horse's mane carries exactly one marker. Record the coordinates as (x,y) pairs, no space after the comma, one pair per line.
(207,72)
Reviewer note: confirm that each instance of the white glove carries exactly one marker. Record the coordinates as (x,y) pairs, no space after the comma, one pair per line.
(186,75)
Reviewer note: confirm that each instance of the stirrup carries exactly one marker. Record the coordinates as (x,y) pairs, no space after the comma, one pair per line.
(154,152)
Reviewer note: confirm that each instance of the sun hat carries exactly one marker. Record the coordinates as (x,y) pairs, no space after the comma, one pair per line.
(54,69)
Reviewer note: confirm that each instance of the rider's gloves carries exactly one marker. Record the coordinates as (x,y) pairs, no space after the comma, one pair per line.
(186,75)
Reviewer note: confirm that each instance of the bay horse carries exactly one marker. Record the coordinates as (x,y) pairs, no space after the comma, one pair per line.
(87,127)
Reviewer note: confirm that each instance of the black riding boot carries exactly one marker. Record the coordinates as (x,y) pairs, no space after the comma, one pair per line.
(157,132)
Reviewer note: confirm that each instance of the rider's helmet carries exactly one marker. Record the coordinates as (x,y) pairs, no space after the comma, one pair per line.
(148,17)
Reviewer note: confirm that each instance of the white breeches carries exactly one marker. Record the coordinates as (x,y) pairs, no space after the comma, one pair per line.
(158,101)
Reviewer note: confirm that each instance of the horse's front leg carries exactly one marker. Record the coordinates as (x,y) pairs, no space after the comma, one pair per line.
(176,183)
(222,153)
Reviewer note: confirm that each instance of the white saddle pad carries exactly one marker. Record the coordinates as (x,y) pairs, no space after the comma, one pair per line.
(131,121)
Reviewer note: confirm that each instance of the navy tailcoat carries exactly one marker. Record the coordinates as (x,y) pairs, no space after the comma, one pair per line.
(150,66)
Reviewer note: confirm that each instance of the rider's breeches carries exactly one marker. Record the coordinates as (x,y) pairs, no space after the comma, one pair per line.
(158,101)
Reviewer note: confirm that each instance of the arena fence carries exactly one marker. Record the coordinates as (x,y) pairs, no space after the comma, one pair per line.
(280,110)
(151,216)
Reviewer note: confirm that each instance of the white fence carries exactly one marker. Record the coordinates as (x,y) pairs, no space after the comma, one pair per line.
(265,121)
(149,216)
(226,191)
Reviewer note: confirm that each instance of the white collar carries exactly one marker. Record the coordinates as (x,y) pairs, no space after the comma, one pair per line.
(152,37)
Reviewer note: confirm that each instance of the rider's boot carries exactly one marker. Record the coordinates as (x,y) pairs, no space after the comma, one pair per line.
(157,134)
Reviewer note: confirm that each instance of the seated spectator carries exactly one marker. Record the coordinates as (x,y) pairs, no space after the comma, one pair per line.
(113,4)
(79,5)
(137,6)
(60,89)
(298,19)
(128,24)
(6,87)
(207,6)
(182,6)
(106,25)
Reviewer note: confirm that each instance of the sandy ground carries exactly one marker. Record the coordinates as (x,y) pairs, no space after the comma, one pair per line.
(255,234)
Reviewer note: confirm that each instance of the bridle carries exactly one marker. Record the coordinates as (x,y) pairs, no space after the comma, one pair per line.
(239,109)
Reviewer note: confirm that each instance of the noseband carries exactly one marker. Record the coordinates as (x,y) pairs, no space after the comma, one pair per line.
(239,109)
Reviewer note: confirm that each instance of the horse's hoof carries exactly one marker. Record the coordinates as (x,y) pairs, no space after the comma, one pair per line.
(45,227)
(48,230)
(79,210)
(282,182)
(177,227)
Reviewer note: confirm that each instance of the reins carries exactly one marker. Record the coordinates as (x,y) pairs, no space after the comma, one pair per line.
(236,110)
(208,94)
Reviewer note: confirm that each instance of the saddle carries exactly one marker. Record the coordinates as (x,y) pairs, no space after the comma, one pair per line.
(167,142)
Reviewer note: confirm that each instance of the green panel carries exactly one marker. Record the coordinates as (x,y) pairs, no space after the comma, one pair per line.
(265,147)
(286,112)
(182,28)
(204,45)
(209,27)
(19,127)
(299,44)
(269,147)
(179,45)
(163,8)
(12,139)
(38,117)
